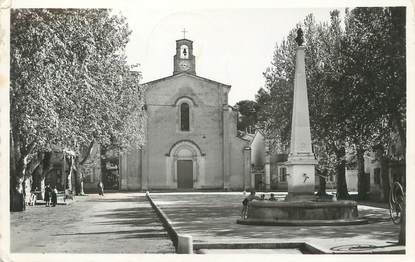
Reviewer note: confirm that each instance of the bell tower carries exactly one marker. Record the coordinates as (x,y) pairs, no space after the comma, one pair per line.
(184,60)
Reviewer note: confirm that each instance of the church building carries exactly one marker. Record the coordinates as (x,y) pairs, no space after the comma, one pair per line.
(191,136)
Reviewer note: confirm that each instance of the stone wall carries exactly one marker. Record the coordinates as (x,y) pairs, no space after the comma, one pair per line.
(219,156)
(351,180)
(130,170)
(238,167)
(164,128)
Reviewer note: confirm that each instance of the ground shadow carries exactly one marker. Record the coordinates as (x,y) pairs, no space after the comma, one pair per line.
(141,218)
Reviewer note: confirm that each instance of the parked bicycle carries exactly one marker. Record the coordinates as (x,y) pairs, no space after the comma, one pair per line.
(397,209)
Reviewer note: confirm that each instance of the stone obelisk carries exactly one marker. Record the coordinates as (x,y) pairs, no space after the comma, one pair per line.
(301,160)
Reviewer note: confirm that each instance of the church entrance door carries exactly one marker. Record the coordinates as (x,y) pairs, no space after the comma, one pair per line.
(184,174)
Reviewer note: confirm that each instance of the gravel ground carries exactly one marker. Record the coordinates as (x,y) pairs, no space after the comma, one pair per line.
(115,223)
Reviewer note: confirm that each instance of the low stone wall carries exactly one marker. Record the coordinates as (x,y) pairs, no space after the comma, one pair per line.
(302,213)
(304,247)
(167,224)
(302,210)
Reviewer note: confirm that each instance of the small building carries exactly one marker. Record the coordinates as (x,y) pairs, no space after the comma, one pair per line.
(380,171)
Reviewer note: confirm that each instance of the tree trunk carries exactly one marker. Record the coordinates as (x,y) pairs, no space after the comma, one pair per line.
(12,178)
(37,180)
(322,179)
(342,192)
(361,176)
(80,180)
(17,197)
(402,232)
(79,169)
(401,132)
(82,185)
(70,174)
(45,168)
(79,183)
(386,184)
(21,183)
(17,192)
(42,188)
(19,156)
(76,181)
(27,187)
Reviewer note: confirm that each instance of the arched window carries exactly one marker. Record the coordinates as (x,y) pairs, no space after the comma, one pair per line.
(184,52)
(184,117)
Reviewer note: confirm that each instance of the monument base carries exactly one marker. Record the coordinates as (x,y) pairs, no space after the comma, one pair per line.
(270,222)
(307,213)
(300,197)
(301,176)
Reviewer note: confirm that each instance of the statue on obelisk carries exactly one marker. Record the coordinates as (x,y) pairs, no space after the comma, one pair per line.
(301,160)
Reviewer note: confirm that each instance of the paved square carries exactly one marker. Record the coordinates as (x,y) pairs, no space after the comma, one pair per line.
(126,223)
(211,218)
(115,223)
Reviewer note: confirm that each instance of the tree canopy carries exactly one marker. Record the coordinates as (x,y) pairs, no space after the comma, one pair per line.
(247,115)
(355,79)
(70,83)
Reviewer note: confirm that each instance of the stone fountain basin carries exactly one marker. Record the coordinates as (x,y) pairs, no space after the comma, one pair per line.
(309,213)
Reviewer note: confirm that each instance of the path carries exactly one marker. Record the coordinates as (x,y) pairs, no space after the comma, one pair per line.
(115,223)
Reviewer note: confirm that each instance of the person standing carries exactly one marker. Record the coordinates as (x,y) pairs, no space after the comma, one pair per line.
(33,197)
(48,192)
(100,187)
(54,195)
(245,203)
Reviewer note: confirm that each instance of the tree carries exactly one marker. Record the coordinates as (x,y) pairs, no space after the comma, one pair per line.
(374,80)
(356,87)
(323,70)
(275,99)
(70,87)
(248,115)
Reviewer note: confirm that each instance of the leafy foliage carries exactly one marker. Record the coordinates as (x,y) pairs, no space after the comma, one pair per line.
(248,115)
(375,73)
(70,82)
(355,79)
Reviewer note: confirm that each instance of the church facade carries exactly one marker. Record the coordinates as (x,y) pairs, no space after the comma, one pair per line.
(191,136)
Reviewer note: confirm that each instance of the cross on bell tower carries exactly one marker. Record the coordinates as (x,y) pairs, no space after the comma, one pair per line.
(184,33)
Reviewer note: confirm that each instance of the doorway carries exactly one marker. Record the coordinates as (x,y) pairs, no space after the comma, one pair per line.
(259,181)
(110,173)
(184,174)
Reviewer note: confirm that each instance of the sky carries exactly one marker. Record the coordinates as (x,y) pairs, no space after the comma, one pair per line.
(231,46)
